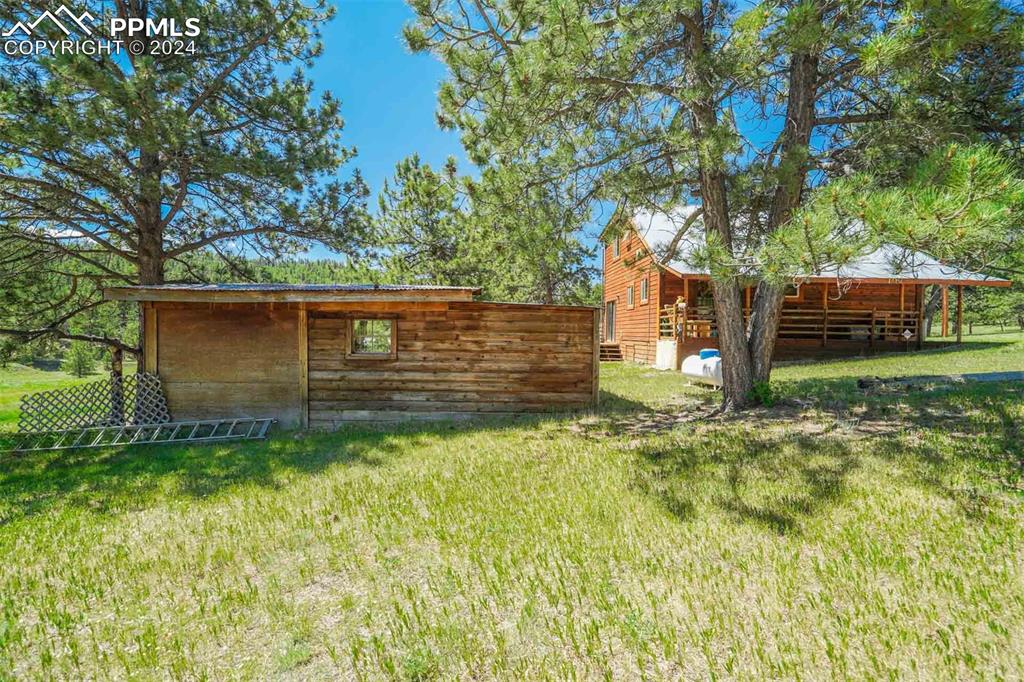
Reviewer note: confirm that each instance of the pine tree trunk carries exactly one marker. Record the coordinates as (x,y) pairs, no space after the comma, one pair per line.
(796,136)
(737,372)
(150,234)
(931,307)
(765,315)
(737,377)
(151,256)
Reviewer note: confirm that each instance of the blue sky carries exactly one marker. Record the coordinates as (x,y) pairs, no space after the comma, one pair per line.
(388,95)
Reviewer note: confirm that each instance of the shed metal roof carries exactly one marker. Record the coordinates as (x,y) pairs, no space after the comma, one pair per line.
(260,293)
(888,262)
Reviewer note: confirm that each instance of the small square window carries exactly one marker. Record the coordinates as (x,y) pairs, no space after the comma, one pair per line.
(644,292)
(630,297)
(372,338)
(792,292)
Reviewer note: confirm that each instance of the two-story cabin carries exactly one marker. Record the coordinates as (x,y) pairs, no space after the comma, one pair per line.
(658,312)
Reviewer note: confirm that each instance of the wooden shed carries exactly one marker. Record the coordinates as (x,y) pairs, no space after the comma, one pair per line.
(319,356)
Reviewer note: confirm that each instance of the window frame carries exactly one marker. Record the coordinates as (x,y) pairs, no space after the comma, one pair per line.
(350,337)
(631,296)
(616,248)
(797,296)
(645,291)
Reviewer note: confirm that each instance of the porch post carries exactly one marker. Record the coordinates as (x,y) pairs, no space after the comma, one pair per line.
(303,351)
(824,318)
(686,310)
(919,299)
(959,313)
(945,311)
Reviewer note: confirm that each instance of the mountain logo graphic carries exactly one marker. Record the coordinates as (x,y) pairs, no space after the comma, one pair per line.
(68,15)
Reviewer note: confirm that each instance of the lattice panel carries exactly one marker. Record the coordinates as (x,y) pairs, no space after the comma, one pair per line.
(117,401)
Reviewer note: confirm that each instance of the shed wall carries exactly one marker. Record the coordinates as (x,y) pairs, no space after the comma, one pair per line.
(453,359)
(464,359)
(229,360)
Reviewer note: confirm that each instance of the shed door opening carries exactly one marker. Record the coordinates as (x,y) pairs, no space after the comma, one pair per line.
(610,321)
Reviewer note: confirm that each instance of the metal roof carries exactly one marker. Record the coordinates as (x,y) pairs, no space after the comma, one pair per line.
(251,286)
(888,262)
(251,292)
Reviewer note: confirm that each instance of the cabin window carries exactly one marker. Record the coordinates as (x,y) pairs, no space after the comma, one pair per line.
(643,290)
(629,297)
(615,247)
(792,292)
(372,338)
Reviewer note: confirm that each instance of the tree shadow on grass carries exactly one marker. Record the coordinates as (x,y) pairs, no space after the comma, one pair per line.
(134,477)
(965,443)
(770,480)
(615,404)
(970,443)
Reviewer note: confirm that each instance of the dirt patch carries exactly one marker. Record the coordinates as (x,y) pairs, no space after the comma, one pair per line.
(793,416)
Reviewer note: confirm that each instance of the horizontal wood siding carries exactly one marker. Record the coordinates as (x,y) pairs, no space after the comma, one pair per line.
(469,359)
(237,360)
(859,296)
(636,328)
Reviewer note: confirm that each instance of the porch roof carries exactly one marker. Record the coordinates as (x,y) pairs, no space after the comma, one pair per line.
(887,263)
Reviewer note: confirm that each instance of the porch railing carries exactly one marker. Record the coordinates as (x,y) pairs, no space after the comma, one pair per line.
(838,324)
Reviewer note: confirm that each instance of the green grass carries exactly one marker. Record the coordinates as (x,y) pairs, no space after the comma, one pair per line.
(880,538)
(987,352)
(17,380)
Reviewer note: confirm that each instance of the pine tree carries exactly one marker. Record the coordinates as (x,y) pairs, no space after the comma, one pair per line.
(744,109)
(114,169)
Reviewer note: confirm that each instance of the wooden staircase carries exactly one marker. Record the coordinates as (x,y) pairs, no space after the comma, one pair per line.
(610,352)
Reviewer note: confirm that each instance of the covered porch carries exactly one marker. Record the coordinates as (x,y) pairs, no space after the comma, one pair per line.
(816,314)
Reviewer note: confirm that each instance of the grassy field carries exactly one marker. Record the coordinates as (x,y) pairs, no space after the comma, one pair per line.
(17,380)
(835,535)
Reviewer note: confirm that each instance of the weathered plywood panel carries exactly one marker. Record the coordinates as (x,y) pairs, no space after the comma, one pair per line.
(471,358)
(231,362)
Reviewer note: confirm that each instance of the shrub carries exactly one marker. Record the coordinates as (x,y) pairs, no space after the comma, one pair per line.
(762,394)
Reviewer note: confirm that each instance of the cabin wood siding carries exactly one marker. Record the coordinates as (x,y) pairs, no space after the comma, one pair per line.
(636,328)
(229,360)
(857,296)
(468,359)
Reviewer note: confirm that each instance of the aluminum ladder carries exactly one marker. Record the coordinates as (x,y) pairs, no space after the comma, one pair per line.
(200,431)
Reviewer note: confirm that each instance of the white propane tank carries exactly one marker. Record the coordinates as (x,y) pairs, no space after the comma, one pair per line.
(707,370)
